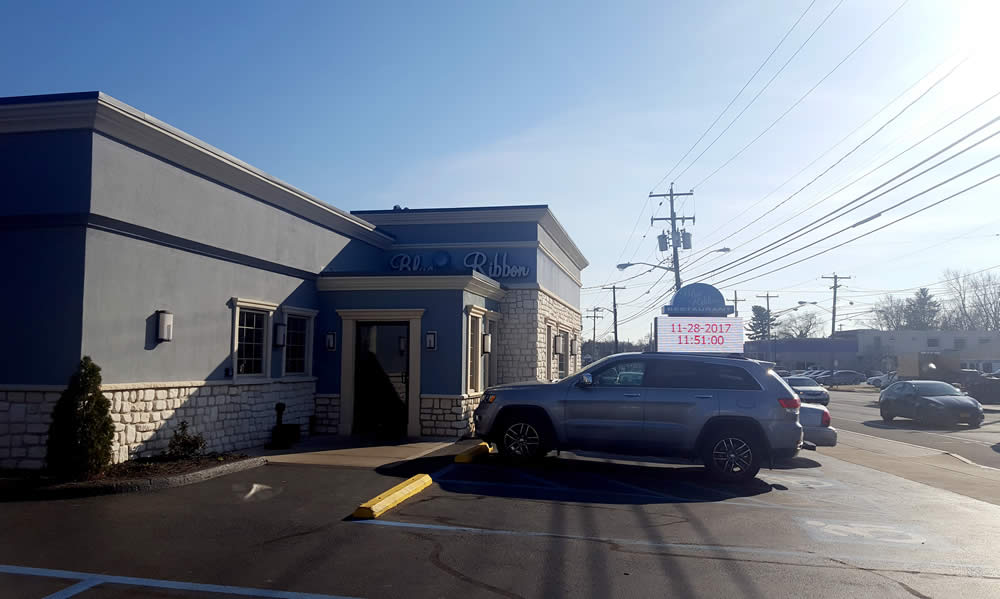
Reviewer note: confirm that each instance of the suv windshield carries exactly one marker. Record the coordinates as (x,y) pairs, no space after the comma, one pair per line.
(933,388)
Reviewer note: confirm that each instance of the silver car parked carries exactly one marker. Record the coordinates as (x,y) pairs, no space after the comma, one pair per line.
(732,414)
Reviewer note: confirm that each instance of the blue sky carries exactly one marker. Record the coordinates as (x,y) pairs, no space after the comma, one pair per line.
(583,106)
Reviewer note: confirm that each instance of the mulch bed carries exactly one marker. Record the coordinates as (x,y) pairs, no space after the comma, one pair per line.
(138,469)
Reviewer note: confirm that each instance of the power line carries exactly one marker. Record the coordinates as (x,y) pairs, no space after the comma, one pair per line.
(804,96)
(904,217)
(817,223)
(739,93)
(833,165)
(649,307)
(869,172)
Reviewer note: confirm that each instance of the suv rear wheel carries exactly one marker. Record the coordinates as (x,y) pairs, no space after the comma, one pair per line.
(732,455)
(523,436)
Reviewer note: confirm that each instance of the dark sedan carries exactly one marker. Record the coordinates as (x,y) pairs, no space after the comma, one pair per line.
(931,402)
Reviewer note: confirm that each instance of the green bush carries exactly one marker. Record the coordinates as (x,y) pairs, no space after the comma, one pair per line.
(184,444)
(81,433)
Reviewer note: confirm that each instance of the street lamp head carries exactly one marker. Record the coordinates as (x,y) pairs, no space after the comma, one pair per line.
(723,250)
(624,265)
(802,303)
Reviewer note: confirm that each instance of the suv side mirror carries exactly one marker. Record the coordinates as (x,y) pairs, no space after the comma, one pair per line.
(586,380)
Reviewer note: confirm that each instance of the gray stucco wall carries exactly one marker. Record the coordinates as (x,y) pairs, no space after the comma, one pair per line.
(45,172)
(46,181)
(43,301)
(127,280)
(132,186)
(442,313)
(557,281)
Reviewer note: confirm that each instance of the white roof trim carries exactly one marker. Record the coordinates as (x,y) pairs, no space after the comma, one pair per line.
(478,284)
(120,121)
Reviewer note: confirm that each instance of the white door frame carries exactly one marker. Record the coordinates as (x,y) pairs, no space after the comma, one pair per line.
(350,319)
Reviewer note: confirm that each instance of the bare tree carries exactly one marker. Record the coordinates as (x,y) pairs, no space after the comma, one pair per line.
(974,302)
(800,326)
(890,314)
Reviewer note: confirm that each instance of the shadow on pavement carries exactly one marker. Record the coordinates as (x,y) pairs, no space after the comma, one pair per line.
(906,424)
(567,479)
(796,463)
(996,447)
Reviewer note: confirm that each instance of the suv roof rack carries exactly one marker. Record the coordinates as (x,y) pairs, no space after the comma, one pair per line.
(696,354)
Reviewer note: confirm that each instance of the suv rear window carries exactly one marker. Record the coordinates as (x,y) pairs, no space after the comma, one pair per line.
(684,374)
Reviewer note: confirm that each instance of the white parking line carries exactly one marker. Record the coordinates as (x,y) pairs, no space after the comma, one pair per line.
(90,580)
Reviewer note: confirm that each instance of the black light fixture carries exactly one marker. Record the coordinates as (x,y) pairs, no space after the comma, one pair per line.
(164,325)
(331,341)
(487,343)
(431,340)
(280,329)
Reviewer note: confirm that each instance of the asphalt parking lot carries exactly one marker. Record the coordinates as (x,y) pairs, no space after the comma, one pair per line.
(568,526)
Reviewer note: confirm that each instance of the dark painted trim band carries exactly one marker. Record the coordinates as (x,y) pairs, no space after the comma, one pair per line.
(111,225)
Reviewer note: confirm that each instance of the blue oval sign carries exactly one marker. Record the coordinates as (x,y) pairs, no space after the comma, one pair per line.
(698,299)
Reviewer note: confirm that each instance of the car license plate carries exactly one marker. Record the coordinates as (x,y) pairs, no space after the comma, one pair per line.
(963,414)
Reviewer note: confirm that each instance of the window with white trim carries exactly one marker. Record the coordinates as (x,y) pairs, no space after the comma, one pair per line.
(297,355)
(251,345)
(295,344)
(475,352)
(251,342)
(563,344)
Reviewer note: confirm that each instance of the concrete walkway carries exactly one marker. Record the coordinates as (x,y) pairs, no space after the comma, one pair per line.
(930,466)
(332,450)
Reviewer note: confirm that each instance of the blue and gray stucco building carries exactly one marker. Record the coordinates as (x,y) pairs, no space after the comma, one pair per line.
(384,322)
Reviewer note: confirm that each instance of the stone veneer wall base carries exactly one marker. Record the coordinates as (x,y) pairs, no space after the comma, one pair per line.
(230,416)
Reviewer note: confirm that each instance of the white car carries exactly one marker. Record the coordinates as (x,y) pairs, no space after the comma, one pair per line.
(816,429)
(882,381)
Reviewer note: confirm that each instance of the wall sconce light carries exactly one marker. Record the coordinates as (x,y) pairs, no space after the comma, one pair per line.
(331,341)
(164,325)
(279,334)
(431,341)
(557,346)
(487,343)
(572,346)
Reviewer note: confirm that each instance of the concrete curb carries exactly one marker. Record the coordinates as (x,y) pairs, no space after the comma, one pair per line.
(472,453)
(142,485)
(383,502)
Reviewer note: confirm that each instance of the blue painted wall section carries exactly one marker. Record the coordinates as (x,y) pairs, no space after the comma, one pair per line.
(442,313)
(47,172)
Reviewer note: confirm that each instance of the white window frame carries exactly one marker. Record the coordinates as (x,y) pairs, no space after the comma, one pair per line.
(474,383)
(269,308)
(310,316)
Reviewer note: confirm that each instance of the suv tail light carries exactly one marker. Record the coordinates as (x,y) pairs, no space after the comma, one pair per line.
(825,419)
(790,403)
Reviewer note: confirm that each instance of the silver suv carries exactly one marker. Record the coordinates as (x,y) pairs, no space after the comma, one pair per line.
(732,414)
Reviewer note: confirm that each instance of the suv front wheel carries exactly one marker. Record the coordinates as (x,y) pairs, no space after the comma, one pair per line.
(523,436)
(732,455)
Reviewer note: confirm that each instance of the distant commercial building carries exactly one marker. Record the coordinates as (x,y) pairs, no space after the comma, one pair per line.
(870,349)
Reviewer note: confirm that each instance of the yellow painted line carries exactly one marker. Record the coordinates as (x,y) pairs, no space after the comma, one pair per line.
(380,504)
(470,454)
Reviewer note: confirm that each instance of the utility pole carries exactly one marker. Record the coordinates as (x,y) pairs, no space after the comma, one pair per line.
(594,316)
(770,342)
(675,237)
(736,303)
(836,285)
(614,305)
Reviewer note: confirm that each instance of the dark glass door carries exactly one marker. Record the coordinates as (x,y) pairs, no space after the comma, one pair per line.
(381,379)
